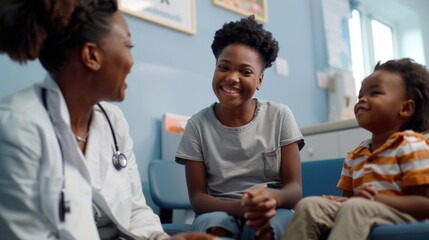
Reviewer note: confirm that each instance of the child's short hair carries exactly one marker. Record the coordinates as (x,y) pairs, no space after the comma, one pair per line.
(416,80)
(247,31)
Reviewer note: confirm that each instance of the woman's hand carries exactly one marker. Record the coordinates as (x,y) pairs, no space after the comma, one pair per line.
(193,236)
(260,208)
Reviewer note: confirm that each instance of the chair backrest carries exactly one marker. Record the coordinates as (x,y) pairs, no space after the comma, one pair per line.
(168,187)
(321,177)
(167,184)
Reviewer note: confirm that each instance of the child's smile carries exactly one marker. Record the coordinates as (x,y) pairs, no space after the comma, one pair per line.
(381,98)
(360,110)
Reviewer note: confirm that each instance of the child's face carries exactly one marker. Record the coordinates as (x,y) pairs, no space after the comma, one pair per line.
(237,76)
(381,99)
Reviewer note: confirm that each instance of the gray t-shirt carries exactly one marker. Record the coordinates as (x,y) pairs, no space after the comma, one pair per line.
(240,158)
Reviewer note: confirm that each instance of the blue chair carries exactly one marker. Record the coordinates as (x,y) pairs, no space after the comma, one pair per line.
(169,191)
(321,177)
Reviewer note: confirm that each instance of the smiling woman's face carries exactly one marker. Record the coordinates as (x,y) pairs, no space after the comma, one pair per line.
(237,76)
(116,59)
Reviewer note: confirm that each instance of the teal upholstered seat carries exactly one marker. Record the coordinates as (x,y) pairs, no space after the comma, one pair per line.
(321,177)
(169,191)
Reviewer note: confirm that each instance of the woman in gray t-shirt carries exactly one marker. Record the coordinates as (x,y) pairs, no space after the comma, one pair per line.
(242,154)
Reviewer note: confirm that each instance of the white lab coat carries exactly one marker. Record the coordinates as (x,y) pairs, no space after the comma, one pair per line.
(31,171)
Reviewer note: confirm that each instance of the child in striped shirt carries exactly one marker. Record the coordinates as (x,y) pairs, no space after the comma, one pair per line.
(385,180)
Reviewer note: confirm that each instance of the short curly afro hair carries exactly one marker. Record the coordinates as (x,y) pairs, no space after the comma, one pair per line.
(416,80)
(248,32)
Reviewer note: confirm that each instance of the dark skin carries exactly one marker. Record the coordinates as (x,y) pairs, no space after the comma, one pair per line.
(261,202)
(238,74)
(257,206)
(81,79)
(384,88)
(192,236)
(86,79)
(415,202)
(202,202)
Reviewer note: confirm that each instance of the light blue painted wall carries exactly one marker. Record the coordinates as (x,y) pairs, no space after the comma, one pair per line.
(173,70)
(421,7)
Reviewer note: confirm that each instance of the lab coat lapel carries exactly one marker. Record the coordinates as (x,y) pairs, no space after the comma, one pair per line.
(99,148)
(60,117)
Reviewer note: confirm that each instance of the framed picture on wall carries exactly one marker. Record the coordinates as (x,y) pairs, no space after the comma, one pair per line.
(246,8)
(175,14)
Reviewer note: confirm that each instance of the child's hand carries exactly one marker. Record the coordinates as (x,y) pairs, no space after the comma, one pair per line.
(366,191)
(339,199)
(260,208)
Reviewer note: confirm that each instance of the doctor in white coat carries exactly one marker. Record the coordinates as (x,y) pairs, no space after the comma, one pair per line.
(67,167)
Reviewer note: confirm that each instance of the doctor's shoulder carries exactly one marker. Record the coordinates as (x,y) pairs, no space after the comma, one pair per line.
(26,102)
(23,109)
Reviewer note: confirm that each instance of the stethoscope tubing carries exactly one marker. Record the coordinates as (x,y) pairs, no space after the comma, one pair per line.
(119,160)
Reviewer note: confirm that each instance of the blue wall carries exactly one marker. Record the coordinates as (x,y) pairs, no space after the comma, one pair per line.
(173,70)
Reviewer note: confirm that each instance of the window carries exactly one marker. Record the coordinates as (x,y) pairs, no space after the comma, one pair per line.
(358,64)
(369,43)
(382,39)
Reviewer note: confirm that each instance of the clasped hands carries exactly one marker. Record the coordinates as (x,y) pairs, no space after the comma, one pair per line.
(260,208)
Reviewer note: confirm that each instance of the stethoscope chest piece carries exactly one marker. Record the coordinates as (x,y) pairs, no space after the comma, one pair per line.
(119,160)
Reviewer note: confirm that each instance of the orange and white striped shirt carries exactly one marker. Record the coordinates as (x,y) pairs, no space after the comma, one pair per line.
(402,161)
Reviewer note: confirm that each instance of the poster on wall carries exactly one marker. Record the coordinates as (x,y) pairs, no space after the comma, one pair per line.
(175,14)
(246,8)
(336,14)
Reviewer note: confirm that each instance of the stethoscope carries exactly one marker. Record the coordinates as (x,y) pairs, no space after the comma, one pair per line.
(119,159)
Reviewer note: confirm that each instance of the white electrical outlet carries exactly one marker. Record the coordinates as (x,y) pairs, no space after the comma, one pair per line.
(282,67)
